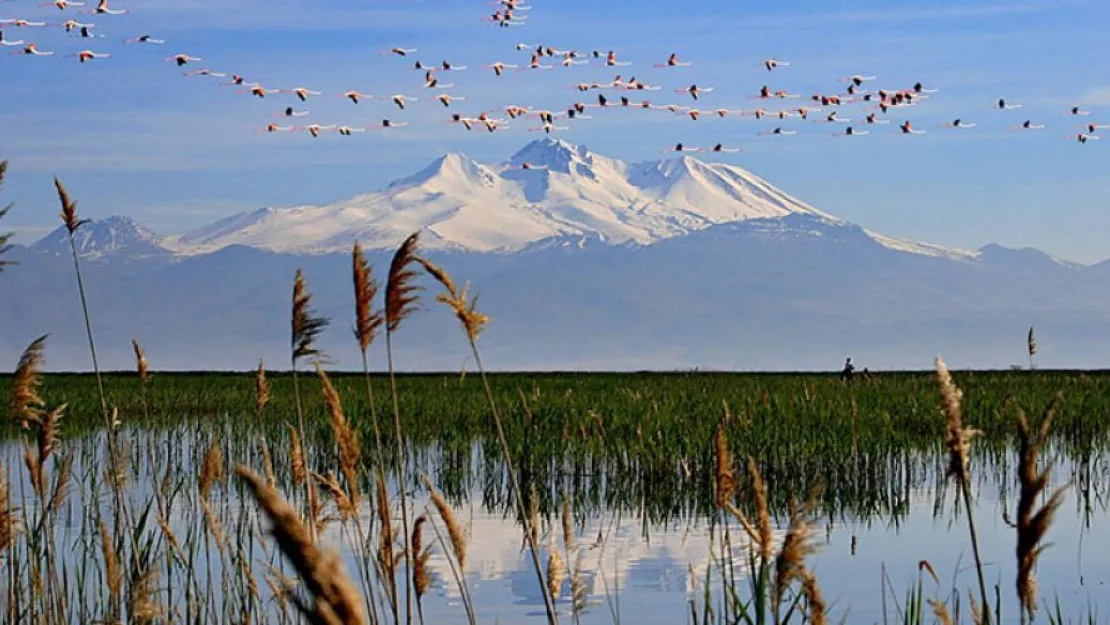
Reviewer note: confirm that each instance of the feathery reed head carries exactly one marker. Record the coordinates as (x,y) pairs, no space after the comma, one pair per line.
(400,292)
(7,514)
(725,481)
(296,457)
(367,321)
(306,326)
(350,444)
(261,388)
(455,530)
(421,581)
(335,598)
(212,469)
(24,402)
(140,361)
(1033,524)
(796,546)
(472,320)
(69,209)
(957,438)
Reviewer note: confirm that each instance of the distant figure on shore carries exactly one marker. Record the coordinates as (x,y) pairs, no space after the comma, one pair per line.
(848,371)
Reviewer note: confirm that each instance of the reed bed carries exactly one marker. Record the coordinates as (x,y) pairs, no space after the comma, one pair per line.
(248,498)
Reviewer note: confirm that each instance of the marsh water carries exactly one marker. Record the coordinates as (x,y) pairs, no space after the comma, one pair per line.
(646,558)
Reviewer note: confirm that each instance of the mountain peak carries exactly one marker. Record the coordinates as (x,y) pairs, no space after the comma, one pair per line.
(114,235)
(554,154)
(452,168)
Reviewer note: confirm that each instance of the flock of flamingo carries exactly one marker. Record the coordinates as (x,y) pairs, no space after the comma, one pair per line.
(874,106)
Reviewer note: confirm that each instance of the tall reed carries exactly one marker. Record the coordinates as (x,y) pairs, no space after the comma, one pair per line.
(368,323)
(334,598)
(305,327)
(1032,524)
(143,373)
(400,302)
(957,439)
(473,322)
(4,236)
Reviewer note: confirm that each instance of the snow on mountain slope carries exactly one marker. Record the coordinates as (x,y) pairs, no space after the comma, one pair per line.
(112,236)
(567,192)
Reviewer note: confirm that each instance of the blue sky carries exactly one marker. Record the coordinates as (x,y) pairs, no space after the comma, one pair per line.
(130,135)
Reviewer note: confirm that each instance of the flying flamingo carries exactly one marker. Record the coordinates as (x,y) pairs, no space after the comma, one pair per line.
(255,89)
(400,51)
(721,148)
(851,132)
(1082,138)
(499,67)
(277,128)
(431,82)
(289,112)
(1006,106)
(348,131)
(301,93)
(694,91)
(957,123)
(31,49)
(21,23)
(771,64)
(401,101)
(778,131)
(62,4)
(832,118)
(204,72)
(354,96)
(873,118)
(1028,125)
(102,9)
(535,64)
(386,123)
(182,59)
(1091,128)
(1076,111)
(145,39)
(611,60)
(857,79)
(546,128)
(446,99)
(447,66)
(85,56)
(672,61)
(314,129)
(907,129)
(236,80)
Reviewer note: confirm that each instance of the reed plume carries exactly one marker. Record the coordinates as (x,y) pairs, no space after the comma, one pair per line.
(212,469)
(1031,345)
(367,321)
(4,236)
(7,514)
(556,571)
(940,610)
(24,402)
(140,362)
(472,323)
(400,302)
(420,555)
(1033,524)
(350,445)
(386,540)
(261,389)
(796,547)
(335,600)
(814,599)
(267,463)
(305,325)
(455,531)
(112,573)
(296,457)
(725,482)
(400,292)
(957,439)
(466,311)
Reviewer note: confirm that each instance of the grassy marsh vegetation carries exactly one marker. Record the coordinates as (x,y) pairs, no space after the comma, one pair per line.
(147,498)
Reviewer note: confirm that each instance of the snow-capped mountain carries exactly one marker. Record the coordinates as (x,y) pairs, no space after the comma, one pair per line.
(113,236)
(549,191)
